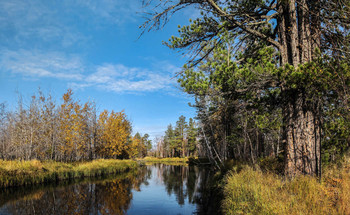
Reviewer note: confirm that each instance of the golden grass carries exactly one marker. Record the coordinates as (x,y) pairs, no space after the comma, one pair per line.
(250,191)
(164,160)
(17,173)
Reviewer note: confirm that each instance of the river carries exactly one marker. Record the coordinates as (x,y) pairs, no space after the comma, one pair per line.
(152,189)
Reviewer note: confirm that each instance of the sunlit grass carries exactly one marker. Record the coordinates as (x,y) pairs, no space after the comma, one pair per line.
(165,160)
(252,191)
(17,173)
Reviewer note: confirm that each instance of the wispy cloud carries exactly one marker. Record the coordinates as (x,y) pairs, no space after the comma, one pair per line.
(36,64)
(120,78)
(78,74)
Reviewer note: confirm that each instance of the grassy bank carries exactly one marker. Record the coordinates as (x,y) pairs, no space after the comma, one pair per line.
(18,173)
(165,160)
(251,191)
(199,161)
(12,194)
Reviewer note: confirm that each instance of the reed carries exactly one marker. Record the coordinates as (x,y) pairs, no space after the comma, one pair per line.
(18,173)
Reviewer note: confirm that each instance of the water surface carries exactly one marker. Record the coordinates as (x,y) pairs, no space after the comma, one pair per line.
(153,189)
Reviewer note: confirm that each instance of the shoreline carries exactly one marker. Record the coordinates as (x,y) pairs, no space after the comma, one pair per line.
(22,173)
(15,173)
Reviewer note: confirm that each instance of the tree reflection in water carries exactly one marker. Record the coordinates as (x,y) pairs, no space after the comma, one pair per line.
(114,196)
(193,184)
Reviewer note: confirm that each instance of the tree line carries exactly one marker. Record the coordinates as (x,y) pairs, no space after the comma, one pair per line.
(70,131)
(180,140)
(269,78)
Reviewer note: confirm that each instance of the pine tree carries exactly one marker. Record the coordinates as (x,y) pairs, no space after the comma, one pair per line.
(169,141)
(192,135)
(297,31)
(180,135)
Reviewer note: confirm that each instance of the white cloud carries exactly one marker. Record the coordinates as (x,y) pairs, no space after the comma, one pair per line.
(120,78)
(116,78)
(109,77)
(36,64)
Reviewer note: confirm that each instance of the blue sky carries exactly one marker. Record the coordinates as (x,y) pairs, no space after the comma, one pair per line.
(92,46)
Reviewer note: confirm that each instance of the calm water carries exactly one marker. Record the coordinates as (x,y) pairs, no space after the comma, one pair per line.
(155,189)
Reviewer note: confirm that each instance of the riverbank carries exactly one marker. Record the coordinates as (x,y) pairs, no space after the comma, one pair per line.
(198,161)
(35,191)
(18,173)
(249,190)
(165,160)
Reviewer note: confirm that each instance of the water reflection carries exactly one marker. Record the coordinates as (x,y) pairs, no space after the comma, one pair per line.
(191,184)
(155,189)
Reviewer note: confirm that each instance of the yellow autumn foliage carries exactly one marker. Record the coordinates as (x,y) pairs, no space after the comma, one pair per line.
(114,131)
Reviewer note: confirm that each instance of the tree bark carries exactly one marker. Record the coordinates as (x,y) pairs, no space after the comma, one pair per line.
(304,32)
(282,36)
(315,27)
(292,33)
(302,136)
(299,37)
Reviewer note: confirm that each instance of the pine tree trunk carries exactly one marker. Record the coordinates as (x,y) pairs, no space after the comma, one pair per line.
(299,37)
(291,31)
(302,138)
(315,27)
(304,32)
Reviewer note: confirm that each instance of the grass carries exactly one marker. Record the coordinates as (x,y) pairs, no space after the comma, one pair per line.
(252,191)
(13,194)
(18,173)
(165,160)
(199,161)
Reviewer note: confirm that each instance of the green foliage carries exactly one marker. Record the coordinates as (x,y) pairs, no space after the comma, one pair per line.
(243,95)
(180,144)
(258,69)
(192,133)
(237,99)
(180,141)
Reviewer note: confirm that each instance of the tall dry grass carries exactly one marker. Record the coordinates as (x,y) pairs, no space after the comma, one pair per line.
(17,173)
(252,191)
(164,160)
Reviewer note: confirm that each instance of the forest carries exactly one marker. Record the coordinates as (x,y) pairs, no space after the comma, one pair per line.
(70,131)
(271,84)
(179,141)
(270,79)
